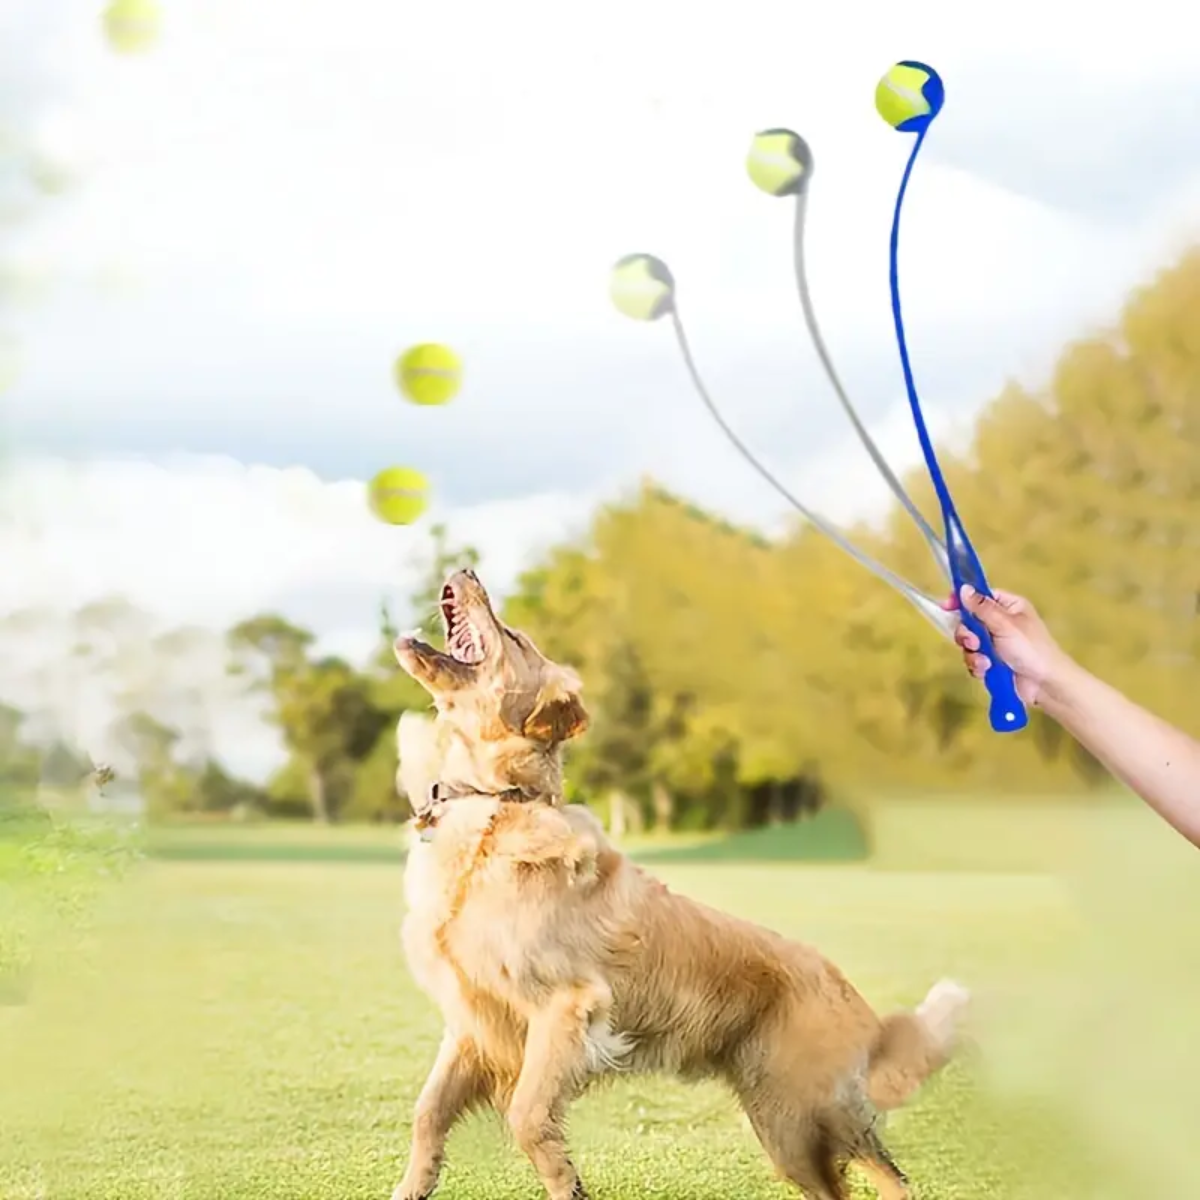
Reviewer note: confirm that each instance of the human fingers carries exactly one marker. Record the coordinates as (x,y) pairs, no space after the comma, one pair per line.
(1011,602)
(995,617)
(977,664)
(965,638)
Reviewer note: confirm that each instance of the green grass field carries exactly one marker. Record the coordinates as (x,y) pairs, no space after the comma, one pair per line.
(241,1029)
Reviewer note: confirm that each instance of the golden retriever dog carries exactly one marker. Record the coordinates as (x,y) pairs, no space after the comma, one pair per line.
(556,962)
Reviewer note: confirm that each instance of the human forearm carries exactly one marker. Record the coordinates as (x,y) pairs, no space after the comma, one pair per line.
(1154,759)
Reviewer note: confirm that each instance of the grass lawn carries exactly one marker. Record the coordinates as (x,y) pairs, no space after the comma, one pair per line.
(228,1030)
(833,836)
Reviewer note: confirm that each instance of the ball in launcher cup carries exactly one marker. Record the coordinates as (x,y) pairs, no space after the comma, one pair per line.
(779,162)
(909,96)
(642,287)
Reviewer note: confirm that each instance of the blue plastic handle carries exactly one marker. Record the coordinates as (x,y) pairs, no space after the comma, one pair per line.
(1006,713)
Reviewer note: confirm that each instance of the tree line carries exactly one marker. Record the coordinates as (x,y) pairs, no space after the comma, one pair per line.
(735,679)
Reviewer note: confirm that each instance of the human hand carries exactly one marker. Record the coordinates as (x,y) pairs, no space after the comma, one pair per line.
(1019,636)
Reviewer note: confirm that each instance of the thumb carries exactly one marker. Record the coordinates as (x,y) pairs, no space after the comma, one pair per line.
(990,612)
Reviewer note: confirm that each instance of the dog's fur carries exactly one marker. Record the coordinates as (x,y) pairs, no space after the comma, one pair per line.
(555,961)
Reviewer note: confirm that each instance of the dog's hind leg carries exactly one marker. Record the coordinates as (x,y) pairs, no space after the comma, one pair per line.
(802,1149)
(554,1068)
(880,1168)
(456,1083)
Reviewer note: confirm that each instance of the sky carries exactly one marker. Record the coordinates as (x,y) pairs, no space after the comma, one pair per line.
(284,194)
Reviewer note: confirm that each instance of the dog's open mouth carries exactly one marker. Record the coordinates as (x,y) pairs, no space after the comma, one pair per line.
(465,641)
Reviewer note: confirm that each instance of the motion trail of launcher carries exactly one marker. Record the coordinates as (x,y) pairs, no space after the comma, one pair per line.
(909,97)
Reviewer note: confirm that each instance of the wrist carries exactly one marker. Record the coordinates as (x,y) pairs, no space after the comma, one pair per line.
(1061,685)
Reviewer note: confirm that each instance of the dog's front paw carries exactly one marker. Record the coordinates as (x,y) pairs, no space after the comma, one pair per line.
(414,1188)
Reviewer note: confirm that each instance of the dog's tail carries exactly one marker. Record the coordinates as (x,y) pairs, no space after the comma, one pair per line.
(912,1046)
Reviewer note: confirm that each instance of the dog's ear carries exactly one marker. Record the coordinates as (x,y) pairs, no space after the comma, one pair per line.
(559,713)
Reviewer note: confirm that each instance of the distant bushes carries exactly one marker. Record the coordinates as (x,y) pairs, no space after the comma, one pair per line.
(834,835)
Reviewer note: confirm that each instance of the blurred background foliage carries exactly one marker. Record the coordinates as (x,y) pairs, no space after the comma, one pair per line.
(735,681)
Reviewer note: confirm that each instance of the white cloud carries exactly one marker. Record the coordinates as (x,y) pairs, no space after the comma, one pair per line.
(302,189)
(208,541)
(202,543)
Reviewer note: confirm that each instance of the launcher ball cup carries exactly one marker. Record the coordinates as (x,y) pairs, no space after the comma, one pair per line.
(398,495)
(779,162)
(429,374)
(642,287)
(909,96)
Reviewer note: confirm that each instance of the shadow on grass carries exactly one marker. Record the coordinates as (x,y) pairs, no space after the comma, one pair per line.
(832,836)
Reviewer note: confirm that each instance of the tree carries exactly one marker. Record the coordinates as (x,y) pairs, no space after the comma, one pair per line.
(212,789)
(331,727)
(648,609)
(272,655)
(336,722)
(266,648)
(190,685)
(19,762)
(151,746)
(734,679)
(722,668)
(1085,496)
(112,660)
(325,710)
(64,767)
(373,794)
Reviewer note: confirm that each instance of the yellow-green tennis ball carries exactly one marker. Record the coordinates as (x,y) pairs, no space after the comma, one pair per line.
(909,96)
(642,287)
(398,495)
(132,26)
(779,162)
(429,374)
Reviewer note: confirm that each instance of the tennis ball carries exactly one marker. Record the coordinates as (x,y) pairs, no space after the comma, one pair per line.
(398,495)
(642,287)
(909,96)
(132,26)
(779,162)
(429,374)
